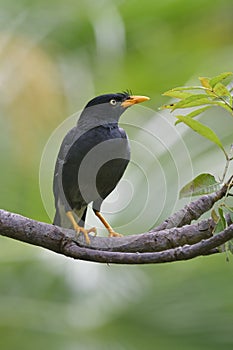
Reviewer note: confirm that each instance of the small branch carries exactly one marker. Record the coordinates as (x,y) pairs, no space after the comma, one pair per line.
(152,241)
(195,209)
(187,252)
(228,160)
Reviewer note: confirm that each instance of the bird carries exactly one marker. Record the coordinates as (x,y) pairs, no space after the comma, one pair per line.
(92,159)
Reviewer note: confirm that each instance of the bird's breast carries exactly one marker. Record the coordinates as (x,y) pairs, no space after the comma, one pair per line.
(94,164)
(99,142)
(102,145)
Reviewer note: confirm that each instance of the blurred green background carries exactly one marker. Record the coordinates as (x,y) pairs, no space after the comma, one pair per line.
(55,56)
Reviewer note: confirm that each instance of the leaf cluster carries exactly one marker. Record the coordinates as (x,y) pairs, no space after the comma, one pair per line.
(213,92)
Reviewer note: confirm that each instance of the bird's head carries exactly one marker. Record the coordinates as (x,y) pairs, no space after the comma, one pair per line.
(109,107)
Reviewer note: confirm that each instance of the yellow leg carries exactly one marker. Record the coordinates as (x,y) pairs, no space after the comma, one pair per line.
(112,233)
(79,229)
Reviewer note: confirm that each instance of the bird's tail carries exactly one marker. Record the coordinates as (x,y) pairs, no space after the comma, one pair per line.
(62,220)
(57,218)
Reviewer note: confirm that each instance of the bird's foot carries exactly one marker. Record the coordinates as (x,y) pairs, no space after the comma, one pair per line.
(114,234)
(85,232)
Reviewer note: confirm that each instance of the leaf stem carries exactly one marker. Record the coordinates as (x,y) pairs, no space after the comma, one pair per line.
(219,97)
(228,160)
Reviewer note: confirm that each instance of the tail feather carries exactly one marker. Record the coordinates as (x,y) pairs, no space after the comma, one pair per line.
(57,218)
(61,219)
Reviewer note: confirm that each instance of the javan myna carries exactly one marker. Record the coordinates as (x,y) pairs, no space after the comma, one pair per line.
(92,159)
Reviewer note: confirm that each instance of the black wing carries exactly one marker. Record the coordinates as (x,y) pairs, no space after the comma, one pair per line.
(61,203)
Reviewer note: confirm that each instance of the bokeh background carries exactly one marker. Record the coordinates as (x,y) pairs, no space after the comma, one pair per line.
(54,57)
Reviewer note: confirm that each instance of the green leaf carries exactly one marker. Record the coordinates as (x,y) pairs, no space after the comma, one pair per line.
(198,111)
(202,184)
(205,82)
(177,94)
(224,105)
(214,215)
(221,215)
(221,224)
(222,91)
(194,113)
(230,246)
(202,130)
(193,101)
(184,88)
(228,210)
(219,78)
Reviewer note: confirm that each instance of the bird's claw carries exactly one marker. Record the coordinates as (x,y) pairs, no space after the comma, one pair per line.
(85,232)
(92,229)
(114,234)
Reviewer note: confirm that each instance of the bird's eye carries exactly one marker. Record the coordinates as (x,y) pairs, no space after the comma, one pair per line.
(113,102)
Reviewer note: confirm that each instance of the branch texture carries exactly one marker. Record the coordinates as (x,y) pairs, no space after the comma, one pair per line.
(151,247)
(175,239)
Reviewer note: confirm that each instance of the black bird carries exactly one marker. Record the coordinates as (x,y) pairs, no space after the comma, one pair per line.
(92,159)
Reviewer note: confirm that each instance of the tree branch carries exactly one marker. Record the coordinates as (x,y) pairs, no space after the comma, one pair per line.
(175,239)
(195,209)
(153,241)
(39,233)
(63,241)
(187,252)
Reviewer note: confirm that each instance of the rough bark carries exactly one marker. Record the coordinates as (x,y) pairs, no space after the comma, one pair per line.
(138,249)
(175,239)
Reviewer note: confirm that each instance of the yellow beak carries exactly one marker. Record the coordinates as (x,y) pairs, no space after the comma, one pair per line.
(132,100)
